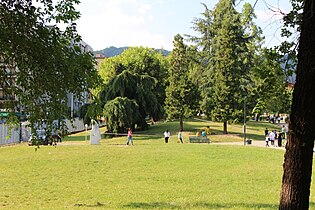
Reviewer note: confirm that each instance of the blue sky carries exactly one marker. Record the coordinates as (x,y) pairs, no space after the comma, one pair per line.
(154,23)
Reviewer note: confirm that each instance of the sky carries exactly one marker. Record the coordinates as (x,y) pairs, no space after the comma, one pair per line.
(154,23)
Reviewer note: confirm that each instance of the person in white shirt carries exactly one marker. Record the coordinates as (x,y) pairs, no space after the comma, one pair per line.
(272,137)
(167,135)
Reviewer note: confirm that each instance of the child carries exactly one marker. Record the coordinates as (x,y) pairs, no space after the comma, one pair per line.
(180,136)
(129,137)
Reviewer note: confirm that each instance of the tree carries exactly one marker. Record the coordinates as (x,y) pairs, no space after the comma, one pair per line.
(141,61)
(229,42)
(181,93)
(134,87)
(49,63)
(143,72)
(270,86)
(297,166)
(121,113)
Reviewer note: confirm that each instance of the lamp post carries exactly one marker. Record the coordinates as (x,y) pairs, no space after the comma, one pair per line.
(20,123)
(244,126)
(86,126)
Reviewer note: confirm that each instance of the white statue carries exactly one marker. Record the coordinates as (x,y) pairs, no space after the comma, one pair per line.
(95,136)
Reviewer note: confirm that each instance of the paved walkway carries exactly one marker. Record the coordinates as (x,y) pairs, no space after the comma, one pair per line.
(254,143)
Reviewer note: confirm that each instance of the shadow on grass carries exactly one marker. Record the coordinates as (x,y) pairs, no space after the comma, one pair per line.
(76,138)
(197,205)
(98,204)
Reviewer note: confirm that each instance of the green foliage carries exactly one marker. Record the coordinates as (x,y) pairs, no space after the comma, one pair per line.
(49,62)
(291,31)
(114,51)
(121,113)
(138,88)
(181,93)
(90,111)
(138,74)
(138,60)
(229,45)
(270,86)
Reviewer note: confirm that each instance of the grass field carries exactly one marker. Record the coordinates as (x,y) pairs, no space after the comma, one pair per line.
(148,175)
(255,131)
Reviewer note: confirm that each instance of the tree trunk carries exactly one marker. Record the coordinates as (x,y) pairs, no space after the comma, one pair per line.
(225,128)
(181,123)
(297,167)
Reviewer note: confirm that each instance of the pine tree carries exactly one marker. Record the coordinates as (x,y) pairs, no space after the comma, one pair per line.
(181,94)
(228,43)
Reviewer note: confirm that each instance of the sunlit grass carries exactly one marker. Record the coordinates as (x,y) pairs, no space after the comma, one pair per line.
(148,175)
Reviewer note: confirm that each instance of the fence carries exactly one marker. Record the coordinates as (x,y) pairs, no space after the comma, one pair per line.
(12,136)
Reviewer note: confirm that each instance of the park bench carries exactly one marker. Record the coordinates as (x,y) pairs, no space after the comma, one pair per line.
(198,139)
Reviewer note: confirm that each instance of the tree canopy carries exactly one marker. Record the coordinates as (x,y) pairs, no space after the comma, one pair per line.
(49,62)
(181,94)
(228,43)
(137,74)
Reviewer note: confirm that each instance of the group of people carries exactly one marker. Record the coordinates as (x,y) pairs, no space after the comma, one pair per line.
(167,135)
(203,133)
(275,137)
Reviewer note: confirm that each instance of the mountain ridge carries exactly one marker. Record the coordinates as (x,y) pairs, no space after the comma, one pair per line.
(113,51)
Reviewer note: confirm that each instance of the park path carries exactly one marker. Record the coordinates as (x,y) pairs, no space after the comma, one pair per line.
(254,144)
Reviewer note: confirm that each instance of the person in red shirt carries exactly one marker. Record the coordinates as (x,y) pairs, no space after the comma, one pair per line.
(129,137)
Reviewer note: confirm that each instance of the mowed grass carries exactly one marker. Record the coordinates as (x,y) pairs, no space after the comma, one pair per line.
(255,131)
(148,175)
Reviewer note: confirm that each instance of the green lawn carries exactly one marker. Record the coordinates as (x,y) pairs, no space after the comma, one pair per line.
(148,175)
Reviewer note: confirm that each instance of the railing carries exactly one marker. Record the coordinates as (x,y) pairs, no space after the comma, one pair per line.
(12,136)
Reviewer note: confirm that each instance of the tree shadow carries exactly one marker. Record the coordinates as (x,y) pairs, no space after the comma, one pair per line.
(164,205)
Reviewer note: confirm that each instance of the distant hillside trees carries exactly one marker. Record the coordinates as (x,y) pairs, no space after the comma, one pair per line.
(113,51)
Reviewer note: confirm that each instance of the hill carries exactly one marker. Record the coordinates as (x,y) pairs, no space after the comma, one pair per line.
(113,51)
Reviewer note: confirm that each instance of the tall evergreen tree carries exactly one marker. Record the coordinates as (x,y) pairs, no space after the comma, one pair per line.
(181,94)
(228,43)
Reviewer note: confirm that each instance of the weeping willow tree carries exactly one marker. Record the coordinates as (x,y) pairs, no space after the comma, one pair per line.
(129,88)
(121,113)
(138,74)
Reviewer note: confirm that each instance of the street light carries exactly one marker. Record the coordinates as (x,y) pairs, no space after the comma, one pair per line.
(86,126)
(244,126)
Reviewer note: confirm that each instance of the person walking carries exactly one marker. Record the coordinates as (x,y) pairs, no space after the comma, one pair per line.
(272,137)
(266,132)
(180,136)
(284,131)
(208,130)
(267,139)
(203,134)
(280,137)
(167,135)
(129,137)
